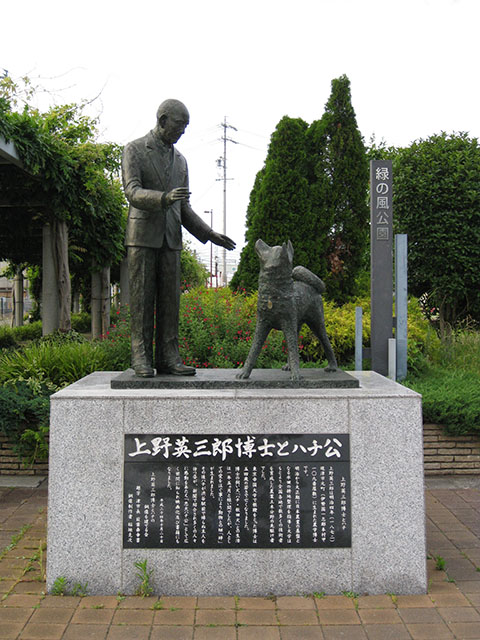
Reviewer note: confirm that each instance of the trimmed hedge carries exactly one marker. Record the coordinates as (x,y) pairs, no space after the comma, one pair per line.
(12,336)
(450,398)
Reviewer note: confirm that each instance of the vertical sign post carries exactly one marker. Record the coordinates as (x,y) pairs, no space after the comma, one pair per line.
(401,303)
(381,239)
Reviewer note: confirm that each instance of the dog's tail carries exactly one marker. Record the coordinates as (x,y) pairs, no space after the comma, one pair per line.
(302,274)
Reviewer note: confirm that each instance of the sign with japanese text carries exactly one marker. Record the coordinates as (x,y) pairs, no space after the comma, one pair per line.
(381,255)
(237,491)
(381,200)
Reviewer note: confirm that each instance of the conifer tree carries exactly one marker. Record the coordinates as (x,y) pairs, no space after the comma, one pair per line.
(279,202)
(246,275)
(338,176)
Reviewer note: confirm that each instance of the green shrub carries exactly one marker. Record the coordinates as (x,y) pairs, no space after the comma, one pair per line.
(12,336)
(450,383)
(460,351)
(33,444)
(24,418)
(216,329)
(450,397)
(340,325)
(55,365)
(81,322)
(217,325)
(30,331)
(116,342)
(7,338)
(62,337)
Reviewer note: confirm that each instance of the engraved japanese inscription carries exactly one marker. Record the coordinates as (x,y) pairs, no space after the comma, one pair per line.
(237,491)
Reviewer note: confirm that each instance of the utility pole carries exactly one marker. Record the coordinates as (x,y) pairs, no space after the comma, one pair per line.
(222,163)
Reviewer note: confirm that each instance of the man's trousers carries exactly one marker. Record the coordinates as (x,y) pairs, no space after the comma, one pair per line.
(154,281)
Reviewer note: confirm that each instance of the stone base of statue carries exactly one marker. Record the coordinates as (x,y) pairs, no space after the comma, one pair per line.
(238,491)
(225,379)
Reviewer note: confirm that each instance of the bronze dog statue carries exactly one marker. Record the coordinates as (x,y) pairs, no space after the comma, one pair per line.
(287,299)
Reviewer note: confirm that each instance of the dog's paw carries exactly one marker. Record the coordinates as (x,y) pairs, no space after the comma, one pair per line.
(286,367)
(242,375)
(330,369)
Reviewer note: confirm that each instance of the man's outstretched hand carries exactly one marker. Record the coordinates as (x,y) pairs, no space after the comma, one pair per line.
(179,193)
(222,241)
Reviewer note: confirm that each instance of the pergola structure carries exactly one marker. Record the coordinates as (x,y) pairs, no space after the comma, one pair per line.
(47,239)
(25,206)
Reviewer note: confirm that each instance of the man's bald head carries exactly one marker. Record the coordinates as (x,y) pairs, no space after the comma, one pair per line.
(172,107)
(172,120)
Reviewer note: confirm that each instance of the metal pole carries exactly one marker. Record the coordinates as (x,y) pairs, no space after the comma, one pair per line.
(392,358)
(223,161)
(224,251)
(18,289)
(401,303)
(358,339)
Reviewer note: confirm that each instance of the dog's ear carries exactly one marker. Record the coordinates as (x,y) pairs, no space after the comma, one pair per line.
(261,247)
(290,250)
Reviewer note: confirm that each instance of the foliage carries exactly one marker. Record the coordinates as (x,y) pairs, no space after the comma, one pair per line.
(216,329)
(21,407)
(450,397)
(340,324)
(338,186)
(246,276)
(7,338)
(437,202)
(81,322)
(217,326)
(59,587)
(53,363)
(193,273)
(449,382)
(380,151)
(116,342)
(279,207)
(12,336)
(70,176)
(34,278)
(33,444)
(312,190)
(461,351)
(30,331)
(144,574)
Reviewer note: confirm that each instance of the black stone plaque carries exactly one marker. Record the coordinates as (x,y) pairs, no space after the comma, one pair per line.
(237,491)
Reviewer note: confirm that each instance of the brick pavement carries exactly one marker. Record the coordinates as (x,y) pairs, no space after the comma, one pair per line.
(451,609)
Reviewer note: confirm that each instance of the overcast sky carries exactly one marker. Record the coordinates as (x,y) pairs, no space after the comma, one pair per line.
(413,67)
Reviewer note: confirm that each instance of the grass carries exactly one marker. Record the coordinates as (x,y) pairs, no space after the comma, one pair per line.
(450,384)
(15,539)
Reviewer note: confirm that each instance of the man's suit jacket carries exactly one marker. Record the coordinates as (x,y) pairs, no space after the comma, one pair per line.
(151,169)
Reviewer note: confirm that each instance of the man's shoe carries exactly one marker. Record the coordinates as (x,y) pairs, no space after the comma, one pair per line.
(144,371)
(178,369)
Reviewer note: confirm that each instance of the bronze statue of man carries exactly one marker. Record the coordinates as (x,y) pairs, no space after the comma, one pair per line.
(155,179)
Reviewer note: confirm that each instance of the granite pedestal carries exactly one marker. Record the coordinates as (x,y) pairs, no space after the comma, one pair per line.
(89,420)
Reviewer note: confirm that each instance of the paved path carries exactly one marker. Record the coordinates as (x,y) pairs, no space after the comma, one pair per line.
(450,610)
